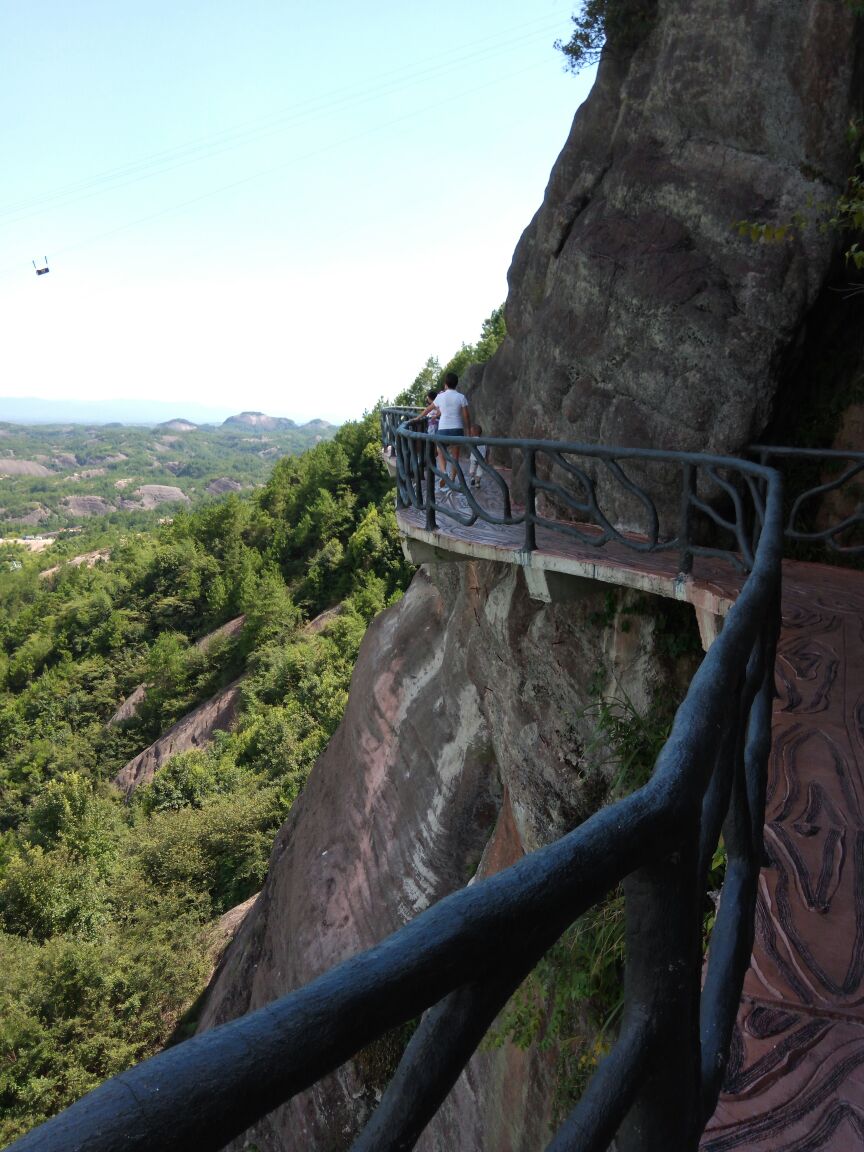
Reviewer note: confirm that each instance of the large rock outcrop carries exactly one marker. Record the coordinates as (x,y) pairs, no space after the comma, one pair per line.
(636,313)
(193,730)
(465,737)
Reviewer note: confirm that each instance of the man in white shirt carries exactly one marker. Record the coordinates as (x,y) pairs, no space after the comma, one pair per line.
(455,419)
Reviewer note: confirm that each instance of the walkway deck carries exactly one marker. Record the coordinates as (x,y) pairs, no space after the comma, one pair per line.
(796,1075)
(712,592)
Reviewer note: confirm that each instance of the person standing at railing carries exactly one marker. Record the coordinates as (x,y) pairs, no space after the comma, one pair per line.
(478,456)
(434,413)
(454,420)
(431,415)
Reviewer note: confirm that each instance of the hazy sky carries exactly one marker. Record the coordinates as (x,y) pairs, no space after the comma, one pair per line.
(277,206)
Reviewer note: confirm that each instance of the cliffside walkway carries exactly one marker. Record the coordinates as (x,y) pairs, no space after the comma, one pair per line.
(795,1037)
(795,1078)
(796,1074)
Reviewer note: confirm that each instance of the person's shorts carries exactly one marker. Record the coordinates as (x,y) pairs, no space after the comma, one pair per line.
(451,431)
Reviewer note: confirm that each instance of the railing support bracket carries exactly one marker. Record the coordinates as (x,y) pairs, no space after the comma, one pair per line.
(710,625)
(555,587)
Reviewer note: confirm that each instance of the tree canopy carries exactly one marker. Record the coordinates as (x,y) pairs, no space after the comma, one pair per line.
(431,375)
(108,910)
(621,23)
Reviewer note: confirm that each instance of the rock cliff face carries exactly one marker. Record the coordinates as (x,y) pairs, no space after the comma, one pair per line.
(465,737)
(636,315)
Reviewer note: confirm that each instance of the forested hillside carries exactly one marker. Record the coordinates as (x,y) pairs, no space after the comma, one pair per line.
(109,907)
(105,907)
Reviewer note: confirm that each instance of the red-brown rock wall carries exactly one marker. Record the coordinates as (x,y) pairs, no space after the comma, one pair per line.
(464,691)
(636,313)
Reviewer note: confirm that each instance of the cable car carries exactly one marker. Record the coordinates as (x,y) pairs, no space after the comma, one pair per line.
(43,270)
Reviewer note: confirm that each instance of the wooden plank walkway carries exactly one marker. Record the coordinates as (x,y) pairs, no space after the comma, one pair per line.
(796,1074)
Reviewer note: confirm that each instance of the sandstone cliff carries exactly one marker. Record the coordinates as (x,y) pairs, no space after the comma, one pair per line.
(636,314)
(193,730)
(465,733)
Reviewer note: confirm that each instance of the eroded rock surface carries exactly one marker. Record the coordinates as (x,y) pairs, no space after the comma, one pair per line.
(129,707)
(86,505)
(223,484)
(636,313)
(151,495)
(132,704)
(464,692)
(89,559)
(35,516)
(10,467)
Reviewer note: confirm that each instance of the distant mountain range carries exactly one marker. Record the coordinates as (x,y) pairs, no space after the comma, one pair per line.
(31,410)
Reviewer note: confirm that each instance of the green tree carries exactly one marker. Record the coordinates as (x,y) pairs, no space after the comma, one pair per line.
(620,23)
(45,893)
(190,779)
(492,332)
(428,378)
(849,210)
(270,611)
(69,812)
(30,657)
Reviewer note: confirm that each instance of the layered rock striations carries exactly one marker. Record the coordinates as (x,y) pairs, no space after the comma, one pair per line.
(466,742)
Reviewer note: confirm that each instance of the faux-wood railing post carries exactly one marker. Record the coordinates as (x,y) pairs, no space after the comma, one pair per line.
(662,987)
(429,449)
(530,502)
(685,530)
(418,473)
(762,486)
(403,475)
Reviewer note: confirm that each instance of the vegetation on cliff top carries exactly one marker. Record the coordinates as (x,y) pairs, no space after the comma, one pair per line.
(620,23)
(431,375)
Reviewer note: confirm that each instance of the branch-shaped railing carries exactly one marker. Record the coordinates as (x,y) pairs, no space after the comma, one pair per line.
(565,490)
(808,509)
(391,419)
(461,960)
(717,501)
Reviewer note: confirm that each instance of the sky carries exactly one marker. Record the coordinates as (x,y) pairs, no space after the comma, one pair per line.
(281,207)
